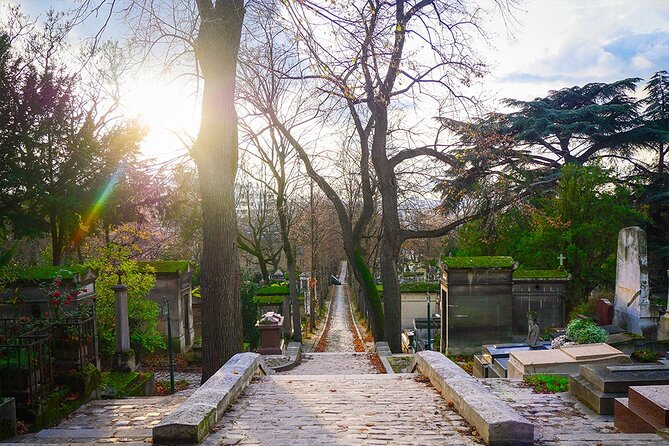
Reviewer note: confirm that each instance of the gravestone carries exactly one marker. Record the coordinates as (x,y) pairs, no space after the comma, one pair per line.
(124,358)
(604,310)
(563,361)
(597,386)
(632,305)
(493,361)
(663,329)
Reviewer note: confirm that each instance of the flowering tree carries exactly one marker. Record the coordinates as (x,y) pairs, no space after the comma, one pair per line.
(142,313)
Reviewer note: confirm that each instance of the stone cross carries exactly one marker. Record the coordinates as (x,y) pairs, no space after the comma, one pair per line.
(124,357)
(561,258)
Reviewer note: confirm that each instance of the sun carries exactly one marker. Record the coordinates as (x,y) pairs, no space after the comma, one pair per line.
(170,111)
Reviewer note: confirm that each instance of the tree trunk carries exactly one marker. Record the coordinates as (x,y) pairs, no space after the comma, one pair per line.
(390,235)
(215,153)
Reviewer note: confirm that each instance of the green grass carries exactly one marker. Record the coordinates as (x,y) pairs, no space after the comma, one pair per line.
(540,274)
(547,383)
(165,266)
(478,262)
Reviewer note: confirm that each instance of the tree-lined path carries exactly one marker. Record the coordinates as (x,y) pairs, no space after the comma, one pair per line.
(338,397)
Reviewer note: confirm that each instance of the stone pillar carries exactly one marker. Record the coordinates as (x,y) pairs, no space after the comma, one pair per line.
(124,357)
(663,329)
(632,304)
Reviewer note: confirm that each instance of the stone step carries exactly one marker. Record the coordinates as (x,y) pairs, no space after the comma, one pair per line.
(628,421)
(651,402)
(592,396)
(612,379)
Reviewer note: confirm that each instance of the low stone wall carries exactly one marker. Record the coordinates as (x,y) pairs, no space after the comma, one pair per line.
(496,422)
(190,422)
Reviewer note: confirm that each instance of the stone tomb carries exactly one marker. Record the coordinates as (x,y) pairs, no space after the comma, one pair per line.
(562,361)
(476,302)
(173,283)
(597,386)
(493,361)
(645,410)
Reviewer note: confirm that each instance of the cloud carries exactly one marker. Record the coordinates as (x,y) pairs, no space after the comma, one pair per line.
(566,43)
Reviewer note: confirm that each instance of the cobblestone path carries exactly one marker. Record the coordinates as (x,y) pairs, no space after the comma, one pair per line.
(338,334)
(108,421)
(559,420)
(328,410)
(338,398)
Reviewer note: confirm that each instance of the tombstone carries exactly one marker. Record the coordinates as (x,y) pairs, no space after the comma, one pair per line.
(645,410)
(271,341)
(604,310)
(632,305)
(494,359)
(663,329)
(124,358)
(174,285)
(597,386)
(563,361)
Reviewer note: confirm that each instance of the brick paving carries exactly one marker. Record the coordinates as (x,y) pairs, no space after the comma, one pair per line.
(561,420)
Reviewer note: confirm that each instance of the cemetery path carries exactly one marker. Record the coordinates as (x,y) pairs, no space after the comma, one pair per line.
(338,397)
(340,334)
(328,410)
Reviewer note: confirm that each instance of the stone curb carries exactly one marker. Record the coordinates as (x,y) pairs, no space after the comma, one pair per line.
(294,353)
(496,422)
(382,348)
(190,422)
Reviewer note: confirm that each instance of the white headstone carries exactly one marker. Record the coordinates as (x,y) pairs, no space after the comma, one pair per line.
(632,305)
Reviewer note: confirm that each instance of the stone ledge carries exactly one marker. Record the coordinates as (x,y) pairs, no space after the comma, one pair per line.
(496,422)
(190,422)
(382,348)
(294,353)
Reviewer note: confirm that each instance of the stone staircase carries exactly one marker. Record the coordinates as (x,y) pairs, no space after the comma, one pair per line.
(645,410)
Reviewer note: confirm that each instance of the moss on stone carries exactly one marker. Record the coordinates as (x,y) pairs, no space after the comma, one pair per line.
(50,272)
(539,274)
(164,266)
(478,262)
(414,287)
(273,290)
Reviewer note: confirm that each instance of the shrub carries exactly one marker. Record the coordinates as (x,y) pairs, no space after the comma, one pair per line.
(646,355)
(585,331)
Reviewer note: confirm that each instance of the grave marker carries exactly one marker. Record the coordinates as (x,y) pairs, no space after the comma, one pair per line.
(632,304)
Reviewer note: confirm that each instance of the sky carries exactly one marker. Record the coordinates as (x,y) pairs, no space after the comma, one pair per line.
(551,44)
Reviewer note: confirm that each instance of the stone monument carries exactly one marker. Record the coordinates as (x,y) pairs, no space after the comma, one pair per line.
(532,330)
(663,329)
(124,358)
(632,305)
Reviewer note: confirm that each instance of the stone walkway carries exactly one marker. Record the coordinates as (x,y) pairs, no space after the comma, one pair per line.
(561,420)
(108,421)
(338,398)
